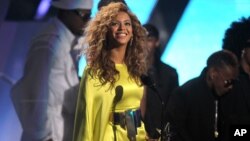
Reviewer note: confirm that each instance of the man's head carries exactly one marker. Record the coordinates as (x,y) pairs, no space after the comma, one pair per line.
(106,2)
(222,71)
(152,36)
(237,38)
(74,13)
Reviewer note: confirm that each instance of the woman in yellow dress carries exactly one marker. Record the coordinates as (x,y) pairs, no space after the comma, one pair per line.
(108,107)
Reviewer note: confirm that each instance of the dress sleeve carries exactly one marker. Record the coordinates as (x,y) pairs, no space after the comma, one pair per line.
(83,129)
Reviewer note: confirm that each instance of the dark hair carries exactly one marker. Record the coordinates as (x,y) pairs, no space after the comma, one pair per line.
(106,2)
(152,31)
(236,36)
(222,59)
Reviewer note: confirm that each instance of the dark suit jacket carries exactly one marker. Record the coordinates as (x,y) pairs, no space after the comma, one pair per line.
(165,80)
(236,106)
(191,111)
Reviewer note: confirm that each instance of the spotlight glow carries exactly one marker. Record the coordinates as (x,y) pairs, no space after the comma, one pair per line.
(42,9)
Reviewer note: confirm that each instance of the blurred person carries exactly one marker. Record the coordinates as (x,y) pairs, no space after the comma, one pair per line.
(108,106)
(237,40)
(164,79)
(237,103)
(194,109)
(45,96)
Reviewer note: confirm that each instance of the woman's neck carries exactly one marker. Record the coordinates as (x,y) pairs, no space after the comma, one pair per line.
(118,55)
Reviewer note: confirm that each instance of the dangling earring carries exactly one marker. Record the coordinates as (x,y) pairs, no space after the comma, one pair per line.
(131,42)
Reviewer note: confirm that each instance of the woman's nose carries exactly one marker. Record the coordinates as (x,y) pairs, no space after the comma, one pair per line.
(122,27)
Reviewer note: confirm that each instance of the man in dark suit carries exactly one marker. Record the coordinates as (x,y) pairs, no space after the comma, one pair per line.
(163,80)
(194,109)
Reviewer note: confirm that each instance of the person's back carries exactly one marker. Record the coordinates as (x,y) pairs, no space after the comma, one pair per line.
(45,97)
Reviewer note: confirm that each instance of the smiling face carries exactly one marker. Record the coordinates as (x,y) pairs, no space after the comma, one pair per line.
(120,30)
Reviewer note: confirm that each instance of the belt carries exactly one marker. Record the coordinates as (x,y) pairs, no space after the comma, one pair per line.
(121,118)
(129,120)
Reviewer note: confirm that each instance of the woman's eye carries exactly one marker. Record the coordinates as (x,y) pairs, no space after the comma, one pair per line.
(128,24)
(114,24)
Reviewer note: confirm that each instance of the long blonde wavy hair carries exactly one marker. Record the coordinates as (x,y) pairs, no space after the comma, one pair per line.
(98,53)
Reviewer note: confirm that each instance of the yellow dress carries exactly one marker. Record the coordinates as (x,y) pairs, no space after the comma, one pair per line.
(94,107)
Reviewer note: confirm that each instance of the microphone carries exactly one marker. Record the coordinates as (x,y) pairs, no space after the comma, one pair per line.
(117,98)
(118,95)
